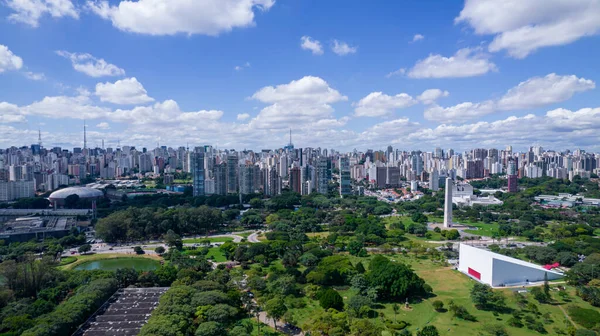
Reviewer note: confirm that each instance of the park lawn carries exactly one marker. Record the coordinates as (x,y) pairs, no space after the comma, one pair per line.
(211,239)
(67,260)
(101,256)
(216,254)
(483,229)
(449,284)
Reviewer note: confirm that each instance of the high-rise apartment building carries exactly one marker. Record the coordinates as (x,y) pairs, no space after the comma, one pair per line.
(296,180)
(345,182)
(232,173)
(198,172)
(323,173)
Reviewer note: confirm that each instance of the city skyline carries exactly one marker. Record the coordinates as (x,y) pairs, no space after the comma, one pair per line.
(414,75)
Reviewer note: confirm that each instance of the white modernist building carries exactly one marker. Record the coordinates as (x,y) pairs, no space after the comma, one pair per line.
(499,270)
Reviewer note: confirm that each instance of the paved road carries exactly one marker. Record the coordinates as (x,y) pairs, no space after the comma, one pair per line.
(280,325)
(253,238)
(149,246)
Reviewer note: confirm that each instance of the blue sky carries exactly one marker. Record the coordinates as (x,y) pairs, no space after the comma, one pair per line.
(240,73)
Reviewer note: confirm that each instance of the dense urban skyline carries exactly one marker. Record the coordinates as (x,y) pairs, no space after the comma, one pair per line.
(412,74)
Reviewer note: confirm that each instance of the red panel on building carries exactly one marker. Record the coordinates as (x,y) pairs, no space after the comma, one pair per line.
(474,274)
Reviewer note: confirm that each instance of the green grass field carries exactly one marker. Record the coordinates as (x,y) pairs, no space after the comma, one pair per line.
(67,260)
(449,284)
(211,239)
(484,229)
(216,255)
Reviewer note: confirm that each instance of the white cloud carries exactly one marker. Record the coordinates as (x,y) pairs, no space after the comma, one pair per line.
(169,17)
(342,48)
(295,104)
(30,11)
(126,92)
(377,104)
(58,107)
(242,67)
(522,26)
(559,128)
(418,37)
(308,90)
(92,66)
(8,60)
(167,112)
(432,95)
(243,116)
(541,91)
(307,43)
(103,125)
(467,62)
(398,72)
(35,76)
(459,113)
(9,113)
(532,93)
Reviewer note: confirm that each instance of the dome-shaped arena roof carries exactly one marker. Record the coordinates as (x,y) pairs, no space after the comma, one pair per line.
(82,192)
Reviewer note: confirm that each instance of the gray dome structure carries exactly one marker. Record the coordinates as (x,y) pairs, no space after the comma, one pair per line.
(58,197)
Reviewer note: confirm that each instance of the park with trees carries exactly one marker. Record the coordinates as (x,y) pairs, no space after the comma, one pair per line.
(328,265)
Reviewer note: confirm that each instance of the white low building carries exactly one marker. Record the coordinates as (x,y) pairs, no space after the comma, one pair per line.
(473,200)
(498,270)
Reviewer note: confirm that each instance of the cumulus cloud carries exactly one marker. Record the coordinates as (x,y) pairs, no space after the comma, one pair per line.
(307,43)
(418,37)
(541,91)
(58,107)
(8,60)
(343,48)
(295,104)
(432,95)
(91,66)
(307,90)
(170,17)
(523,26)
(167,112)
(459,113)
(378,104)
(126,92)
(30,11)
(103,125)
(557,128)
(243,116)
(532,93)
(9,113)
(467,62)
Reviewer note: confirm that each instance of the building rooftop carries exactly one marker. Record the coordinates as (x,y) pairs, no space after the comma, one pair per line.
(82,192)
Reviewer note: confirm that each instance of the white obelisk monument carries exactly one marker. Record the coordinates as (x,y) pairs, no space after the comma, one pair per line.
(448,204)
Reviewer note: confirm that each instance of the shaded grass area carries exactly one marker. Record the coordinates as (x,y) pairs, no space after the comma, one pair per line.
(211,239)
(94,257)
